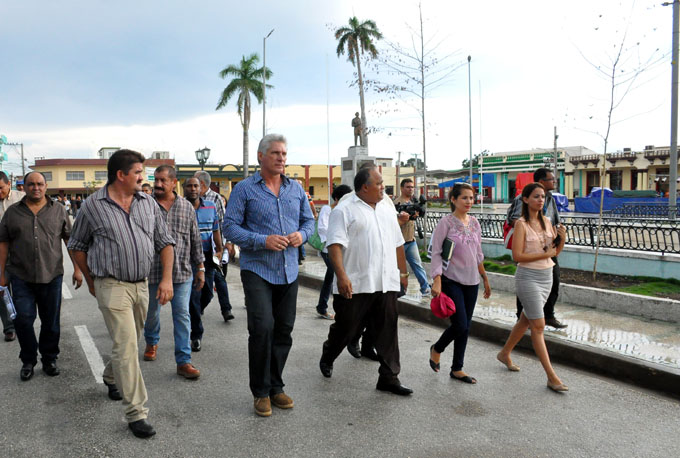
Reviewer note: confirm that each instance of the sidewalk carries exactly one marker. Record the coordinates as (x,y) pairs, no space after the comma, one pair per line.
(644,352)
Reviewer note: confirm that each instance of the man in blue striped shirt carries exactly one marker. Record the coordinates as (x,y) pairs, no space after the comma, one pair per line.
(268,217)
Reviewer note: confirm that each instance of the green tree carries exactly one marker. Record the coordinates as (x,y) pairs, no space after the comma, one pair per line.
(357,39)
(247,79)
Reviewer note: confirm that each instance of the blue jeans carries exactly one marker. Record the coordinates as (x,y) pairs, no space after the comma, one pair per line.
(180,320)
(413,259)
(215,278)
(47,297)
(465,298)
(322,306)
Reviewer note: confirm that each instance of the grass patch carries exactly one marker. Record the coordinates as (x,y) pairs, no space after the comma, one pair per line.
(656,288)
(491,266)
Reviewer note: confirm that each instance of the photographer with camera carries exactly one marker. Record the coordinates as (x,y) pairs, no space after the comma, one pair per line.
(408,209)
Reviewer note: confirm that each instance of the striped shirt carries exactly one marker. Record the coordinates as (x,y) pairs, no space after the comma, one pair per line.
(215,198)
(254,212)
(181,222)
(206,216)
(119,244)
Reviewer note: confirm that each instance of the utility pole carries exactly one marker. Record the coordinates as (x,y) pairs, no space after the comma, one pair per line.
(397,188)
(264,85)
(673,170)
(555,158)
(470,115)
(23,165)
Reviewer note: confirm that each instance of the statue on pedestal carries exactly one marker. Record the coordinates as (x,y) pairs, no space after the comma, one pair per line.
(358,128)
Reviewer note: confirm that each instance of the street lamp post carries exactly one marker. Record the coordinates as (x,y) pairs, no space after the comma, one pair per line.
(264,83)
(202,156)
(470,114)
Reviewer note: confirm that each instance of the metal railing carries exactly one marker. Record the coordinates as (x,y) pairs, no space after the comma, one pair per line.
(633,210)
(655,235)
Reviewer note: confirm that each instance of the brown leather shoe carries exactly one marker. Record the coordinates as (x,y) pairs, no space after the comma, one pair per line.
(150,352)
(263,407)
(188,371)
(282,400)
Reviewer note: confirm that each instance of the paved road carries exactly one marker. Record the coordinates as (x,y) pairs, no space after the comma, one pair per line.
(506,414)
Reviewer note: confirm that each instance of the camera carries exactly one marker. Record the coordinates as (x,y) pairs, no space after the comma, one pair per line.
(414,208)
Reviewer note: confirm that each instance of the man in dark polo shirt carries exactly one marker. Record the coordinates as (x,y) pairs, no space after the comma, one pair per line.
(31,232)
(114,238)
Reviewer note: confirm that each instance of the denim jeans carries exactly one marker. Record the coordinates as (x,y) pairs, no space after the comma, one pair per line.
(195,308)
(180,320)
(465,298)
(413,258)
(271,316)
(47,297)
(215,278)
(322,306)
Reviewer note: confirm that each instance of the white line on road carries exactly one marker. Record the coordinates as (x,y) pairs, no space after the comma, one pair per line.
(65,292)
(91,353)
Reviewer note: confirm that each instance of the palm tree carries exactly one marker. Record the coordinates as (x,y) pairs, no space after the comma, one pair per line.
(357,38)
(247,79)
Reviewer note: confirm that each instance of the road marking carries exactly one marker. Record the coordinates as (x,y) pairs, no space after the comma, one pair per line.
(91,353)
(65,292)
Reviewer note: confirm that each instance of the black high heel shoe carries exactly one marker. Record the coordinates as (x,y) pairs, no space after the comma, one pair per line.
(435,366)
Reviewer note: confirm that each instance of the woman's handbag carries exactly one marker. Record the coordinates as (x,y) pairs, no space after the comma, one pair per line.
(442,306)
(315,240)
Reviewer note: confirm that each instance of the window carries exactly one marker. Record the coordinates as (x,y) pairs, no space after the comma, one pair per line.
(311,191)
(48,176)
(101,175)
(75,176)
(615,180)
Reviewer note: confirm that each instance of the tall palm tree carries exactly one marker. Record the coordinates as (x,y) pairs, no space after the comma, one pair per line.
(247,79)
(356,39)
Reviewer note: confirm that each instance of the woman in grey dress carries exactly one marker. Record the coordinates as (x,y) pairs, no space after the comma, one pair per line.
(535,242)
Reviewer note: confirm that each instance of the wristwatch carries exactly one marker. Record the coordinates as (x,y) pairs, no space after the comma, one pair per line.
(404,275)
(201,269)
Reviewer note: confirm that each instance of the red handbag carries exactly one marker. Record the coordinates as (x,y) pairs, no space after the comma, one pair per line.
(508,231)
(442,306)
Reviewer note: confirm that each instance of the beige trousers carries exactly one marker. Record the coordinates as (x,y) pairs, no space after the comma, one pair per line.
(124,307)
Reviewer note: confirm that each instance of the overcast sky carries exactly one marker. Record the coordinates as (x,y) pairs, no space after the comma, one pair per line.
(80,75)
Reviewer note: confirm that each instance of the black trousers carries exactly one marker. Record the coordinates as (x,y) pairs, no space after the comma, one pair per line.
(380,310)
(271,316)
(549,307)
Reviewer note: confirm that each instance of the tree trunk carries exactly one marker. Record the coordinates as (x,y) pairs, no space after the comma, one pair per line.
(246,125)
(422,96)
(364,139)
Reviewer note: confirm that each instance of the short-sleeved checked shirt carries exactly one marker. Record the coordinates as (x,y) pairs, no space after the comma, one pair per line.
(215,198)
(35,253)
(119,244)
(181,221)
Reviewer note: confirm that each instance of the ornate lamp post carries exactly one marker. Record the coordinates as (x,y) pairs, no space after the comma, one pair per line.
(202,156)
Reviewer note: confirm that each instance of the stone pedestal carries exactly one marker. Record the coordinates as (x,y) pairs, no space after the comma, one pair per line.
(356,157)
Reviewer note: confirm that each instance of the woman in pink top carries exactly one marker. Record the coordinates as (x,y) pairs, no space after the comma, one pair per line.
(535,242)
(459,278)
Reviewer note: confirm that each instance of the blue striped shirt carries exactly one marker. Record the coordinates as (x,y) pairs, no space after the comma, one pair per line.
(254,212)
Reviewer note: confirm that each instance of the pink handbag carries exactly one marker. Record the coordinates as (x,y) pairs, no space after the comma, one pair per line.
(442,306)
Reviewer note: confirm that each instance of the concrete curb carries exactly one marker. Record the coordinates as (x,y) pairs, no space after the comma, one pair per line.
(611,301)
(623,368)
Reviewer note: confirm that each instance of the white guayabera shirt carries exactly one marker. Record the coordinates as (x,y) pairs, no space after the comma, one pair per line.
(369,239)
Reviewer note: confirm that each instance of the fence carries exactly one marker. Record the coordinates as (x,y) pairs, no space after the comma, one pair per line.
(656,235)
(633,210)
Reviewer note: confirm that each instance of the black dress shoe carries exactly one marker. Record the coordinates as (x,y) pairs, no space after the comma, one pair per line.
(555,323)
(141,428)
(227,316)
(114,394)
(394,387)
(353,349)
(10,336)
(26,371)
(196,345)
(50,368)
(326,369)
(369,352)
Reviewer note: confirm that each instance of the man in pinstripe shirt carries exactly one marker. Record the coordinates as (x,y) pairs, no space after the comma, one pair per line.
(268,217)
(114,238)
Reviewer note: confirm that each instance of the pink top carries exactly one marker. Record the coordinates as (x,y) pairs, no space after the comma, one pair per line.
(536,242)
(467,250)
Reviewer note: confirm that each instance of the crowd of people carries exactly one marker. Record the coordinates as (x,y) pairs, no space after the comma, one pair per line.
(138,250)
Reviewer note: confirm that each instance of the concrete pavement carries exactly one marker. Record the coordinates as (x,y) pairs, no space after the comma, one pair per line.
(505,414)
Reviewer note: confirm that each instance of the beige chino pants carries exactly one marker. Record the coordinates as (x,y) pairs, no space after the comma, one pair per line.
(124,306)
